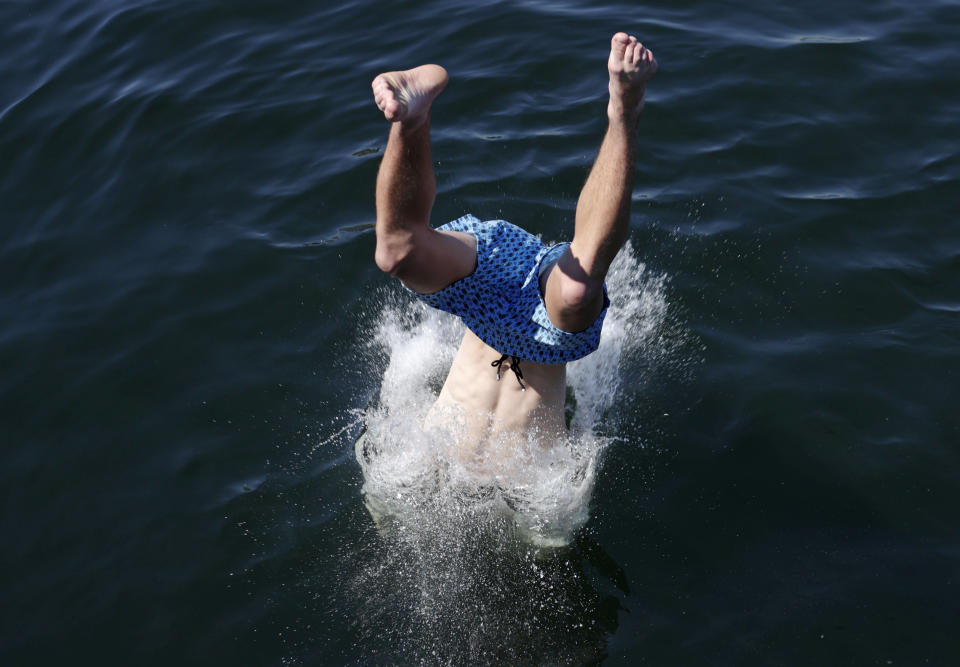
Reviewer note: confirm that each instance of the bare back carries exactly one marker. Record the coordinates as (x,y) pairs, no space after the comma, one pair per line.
(485,410)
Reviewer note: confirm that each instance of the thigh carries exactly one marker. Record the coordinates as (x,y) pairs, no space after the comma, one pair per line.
(438,259)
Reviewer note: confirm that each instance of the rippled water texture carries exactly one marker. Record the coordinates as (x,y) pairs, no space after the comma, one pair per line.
(194,335)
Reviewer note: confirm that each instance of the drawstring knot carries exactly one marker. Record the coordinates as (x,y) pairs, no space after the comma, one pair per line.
(514,366)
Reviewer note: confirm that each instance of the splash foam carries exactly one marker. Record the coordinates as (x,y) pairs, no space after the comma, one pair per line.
(412,478)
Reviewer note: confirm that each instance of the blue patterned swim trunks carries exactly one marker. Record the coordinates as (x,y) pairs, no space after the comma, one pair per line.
(501,302)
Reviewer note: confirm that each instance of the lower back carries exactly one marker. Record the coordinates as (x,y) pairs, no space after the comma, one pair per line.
(487,408)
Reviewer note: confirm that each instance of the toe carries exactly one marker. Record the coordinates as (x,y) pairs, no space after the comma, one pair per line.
(632,49)
(619,44)
(391,109)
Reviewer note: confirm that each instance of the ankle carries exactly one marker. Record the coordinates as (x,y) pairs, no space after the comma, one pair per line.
(620,115)
(623,124)
(411,127)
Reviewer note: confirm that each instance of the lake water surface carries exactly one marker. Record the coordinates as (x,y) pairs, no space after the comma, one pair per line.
(194,335)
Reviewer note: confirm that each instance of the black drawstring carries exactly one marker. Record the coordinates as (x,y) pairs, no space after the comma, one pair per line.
(514,366)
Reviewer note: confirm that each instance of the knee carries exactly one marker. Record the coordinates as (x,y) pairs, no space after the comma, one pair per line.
(576,295)
(391,259)
(574,305)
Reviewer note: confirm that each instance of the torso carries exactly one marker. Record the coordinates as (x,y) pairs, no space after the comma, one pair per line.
(489,413)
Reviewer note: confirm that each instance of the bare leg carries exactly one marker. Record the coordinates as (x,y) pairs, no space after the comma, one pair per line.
(574,287)
(424,259)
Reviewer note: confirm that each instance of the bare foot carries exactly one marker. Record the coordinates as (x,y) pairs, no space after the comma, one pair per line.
(405,97)
(631,66)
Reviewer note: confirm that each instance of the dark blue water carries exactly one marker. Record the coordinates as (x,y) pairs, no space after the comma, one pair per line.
(188,298)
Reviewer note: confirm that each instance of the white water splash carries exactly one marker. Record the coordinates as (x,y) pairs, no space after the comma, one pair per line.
(412,480)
